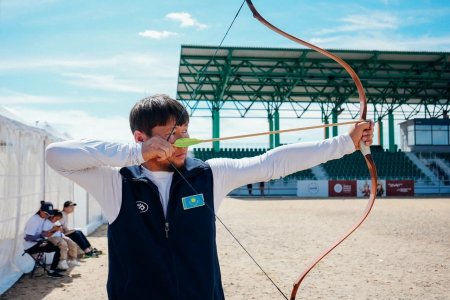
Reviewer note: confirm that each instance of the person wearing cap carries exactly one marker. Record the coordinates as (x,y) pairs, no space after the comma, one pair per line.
(35,235)
(75,235)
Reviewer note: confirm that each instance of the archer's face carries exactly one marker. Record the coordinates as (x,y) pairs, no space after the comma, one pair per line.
(171,134)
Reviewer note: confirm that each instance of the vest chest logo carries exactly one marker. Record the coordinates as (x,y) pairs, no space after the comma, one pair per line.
(142,206)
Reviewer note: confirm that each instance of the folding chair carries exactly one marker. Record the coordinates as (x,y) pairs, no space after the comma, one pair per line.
(39,262)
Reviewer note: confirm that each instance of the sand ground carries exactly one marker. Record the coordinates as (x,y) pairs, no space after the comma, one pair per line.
(402,251)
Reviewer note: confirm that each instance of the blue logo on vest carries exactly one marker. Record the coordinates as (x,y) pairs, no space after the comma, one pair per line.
(142,206)
(193,201)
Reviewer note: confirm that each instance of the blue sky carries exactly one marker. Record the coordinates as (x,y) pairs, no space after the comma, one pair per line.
(81,65)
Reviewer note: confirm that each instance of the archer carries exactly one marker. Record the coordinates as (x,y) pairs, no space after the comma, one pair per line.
(161,204)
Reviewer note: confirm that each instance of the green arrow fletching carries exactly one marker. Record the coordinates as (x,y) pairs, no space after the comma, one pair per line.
(186,142)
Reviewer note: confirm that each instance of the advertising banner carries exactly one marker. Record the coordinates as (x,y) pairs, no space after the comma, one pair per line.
(342,188)
(363,188)
(312,188)
(400,187)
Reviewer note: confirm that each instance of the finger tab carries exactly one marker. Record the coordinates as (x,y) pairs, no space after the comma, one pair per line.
(364,148)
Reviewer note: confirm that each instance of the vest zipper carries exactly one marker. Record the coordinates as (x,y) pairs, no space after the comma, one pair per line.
(166,227)
(167,230)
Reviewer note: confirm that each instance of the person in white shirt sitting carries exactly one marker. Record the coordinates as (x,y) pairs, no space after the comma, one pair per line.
(34,239)
(76,235)
(67,247)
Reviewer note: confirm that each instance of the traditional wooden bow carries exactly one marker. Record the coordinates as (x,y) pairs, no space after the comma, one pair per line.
(364,149)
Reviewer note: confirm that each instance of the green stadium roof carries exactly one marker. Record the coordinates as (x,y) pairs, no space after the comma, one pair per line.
(242,74)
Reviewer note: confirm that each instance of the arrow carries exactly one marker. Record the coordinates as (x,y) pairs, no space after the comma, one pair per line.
(187,142)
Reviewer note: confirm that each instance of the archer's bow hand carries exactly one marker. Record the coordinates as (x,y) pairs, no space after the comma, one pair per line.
(362,131)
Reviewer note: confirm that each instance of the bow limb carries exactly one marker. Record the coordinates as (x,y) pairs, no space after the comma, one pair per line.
(364,149)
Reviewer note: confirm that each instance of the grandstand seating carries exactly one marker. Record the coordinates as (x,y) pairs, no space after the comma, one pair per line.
(444,156)
(207,153)
(436,168)
(390,165)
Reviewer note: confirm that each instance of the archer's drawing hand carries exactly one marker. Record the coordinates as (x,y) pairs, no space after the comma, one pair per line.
(157,148)
(362,131)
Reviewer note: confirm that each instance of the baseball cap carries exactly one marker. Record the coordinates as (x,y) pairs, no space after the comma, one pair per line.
(47,207)
(69,203)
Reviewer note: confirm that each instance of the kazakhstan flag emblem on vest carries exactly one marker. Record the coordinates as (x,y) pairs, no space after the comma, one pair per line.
(193,201)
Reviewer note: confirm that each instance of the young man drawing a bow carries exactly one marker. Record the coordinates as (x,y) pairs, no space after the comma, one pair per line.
(160,203)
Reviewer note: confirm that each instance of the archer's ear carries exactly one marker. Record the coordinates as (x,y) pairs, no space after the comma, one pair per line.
(139,136)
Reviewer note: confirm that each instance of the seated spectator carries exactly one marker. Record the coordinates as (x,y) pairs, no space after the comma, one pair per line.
(76,235)
(35,237)
(68,248)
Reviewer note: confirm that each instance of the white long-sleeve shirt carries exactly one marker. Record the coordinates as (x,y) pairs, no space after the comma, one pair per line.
(95,165)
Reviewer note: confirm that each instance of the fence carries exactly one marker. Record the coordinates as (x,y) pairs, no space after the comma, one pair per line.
(25,180)
(289,187)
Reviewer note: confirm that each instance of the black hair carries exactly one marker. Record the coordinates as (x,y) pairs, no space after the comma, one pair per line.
(42,203)
(156,110)
(57,213)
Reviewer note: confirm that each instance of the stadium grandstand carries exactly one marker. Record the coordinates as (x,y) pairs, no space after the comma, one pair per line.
(299,83)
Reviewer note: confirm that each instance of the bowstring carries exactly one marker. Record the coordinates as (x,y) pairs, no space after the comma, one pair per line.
(190,185)
(230,232)
(203,78)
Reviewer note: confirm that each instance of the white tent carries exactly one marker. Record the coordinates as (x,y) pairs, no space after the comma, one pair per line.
(25,180)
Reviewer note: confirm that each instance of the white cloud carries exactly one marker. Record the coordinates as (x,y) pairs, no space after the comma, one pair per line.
(378,30)
(79,124)
(186,20)
(127,61)
(8,97)
(384,42)
(157,35)
(138,73)
(45,63)
(103,82)
(374,21)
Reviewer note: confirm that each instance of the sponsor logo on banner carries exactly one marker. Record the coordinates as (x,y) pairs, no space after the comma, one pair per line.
(342,188)
(364,186)
(400,187)
(312,188)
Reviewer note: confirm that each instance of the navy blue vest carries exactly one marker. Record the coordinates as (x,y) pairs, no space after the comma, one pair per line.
(157,257)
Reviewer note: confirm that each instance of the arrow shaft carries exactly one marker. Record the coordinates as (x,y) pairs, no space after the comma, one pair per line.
(278,131)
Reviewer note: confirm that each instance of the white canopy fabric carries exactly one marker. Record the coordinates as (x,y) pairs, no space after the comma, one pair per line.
(25,180)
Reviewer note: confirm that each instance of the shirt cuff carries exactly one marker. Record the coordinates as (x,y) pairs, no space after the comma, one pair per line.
(140,158)
(349,146)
